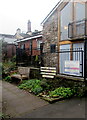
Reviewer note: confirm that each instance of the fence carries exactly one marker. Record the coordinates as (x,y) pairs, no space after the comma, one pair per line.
(67,59)
(85,59)
(26,57)
(71,62)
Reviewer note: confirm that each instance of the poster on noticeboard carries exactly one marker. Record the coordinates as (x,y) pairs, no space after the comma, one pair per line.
(72,68)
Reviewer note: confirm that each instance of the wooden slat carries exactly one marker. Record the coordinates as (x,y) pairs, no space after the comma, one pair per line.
(47,76)
(49,68)
(48,73)
(53,71)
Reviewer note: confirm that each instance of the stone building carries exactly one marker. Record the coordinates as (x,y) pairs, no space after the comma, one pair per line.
(64,36)
(50,39)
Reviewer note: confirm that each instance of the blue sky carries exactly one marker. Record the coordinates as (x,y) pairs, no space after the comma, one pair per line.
(16,13)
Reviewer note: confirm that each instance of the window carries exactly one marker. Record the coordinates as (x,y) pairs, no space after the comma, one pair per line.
(23,46)
(53,48)
(66,18)
(30,45)
(64,56)
(80,11)
(38,44)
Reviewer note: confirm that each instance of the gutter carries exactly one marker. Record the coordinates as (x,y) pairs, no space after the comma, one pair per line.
(28,38)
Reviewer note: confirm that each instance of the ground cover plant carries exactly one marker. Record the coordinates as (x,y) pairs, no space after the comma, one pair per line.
(32,85)
(44,90)
(61,92)
(4,116)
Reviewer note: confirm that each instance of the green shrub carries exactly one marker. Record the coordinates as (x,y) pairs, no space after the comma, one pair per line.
(33,85)
(8,79)
(61,92)
(79,91)
(4,116)
(37,89)
(44,84)
(8,66)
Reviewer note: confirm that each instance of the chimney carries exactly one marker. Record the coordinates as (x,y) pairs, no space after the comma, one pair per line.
(18,31)
(29,26)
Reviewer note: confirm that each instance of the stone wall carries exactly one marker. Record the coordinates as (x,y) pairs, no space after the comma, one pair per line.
(50,36)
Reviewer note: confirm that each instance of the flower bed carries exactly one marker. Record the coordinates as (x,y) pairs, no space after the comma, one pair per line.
(43,90)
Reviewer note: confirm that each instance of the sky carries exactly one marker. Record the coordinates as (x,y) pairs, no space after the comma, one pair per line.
(16,13)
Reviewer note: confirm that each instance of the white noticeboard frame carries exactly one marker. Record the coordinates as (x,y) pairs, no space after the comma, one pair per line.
(72,68)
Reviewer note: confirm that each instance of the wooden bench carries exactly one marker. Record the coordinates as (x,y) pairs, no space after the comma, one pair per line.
(23,73)
(48,72)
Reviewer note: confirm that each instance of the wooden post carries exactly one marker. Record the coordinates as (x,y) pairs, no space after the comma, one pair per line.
(59,35)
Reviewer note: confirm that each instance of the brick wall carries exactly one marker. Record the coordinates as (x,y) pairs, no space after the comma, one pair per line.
(35,51)
(11,50)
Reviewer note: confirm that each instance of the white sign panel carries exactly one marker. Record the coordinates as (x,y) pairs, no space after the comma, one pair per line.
(72,68)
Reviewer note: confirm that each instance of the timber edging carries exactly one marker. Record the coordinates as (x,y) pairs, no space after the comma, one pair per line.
(79,79)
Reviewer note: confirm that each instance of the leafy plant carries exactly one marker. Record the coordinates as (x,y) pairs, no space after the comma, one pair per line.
(44,84)
(61,92)
(37,89)
(8,66)
(33,85)
(79,91)
(8,79)
(3,116)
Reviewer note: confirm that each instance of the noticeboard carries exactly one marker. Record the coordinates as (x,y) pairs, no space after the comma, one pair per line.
(72,68)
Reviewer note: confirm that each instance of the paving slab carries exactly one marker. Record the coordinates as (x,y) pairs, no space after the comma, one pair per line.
(71,108)
(17,102)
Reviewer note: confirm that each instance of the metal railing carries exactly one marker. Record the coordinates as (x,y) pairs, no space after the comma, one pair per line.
(74,55)
(28,57)
(77,29)
(77,54)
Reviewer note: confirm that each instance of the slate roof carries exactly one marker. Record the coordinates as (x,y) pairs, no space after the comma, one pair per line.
(7,35)
(10,39)
(24,35)
(35,34)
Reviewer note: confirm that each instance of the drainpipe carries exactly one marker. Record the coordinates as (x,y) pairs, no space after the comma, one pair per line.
(31,51)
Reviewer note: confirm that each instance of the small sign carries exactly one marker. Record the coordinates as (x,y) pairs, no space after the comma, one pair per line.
(72,68)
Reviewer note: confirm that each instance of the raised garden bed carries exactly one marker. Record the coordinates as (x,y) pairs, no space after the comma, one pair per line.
(50,99)
(45,92)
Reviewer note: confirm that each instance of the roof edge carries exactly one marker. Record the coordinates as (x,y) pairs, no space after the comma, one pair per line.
(25,39)
(51,12)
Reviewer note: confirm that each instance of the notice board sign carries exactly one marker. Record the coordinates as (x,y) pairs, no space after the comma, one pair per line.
(72,68)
